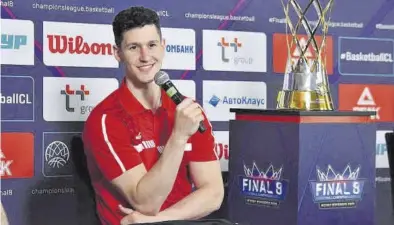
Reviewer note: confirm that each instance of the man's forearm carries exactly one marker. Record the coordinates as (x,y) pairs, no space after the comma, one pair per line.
(155,185)
(198,204)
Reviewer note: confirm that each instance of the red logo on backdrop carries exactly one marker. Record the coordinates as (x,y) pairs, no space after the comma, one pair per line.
(222,150)
(69,92)
(360,97)
(17,155)
(77,45)
(280,51)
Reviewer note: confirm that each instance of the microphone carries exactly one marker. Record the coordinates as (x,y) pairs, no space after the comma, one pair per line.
(163,80)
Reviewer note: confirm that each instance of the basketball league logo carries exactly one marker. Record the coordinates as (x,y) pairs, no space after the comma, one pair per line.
(335,189)
(266,188)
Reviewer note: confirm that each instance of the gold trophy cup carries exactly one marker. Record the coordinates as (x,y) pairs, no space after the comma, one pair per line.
(305,86)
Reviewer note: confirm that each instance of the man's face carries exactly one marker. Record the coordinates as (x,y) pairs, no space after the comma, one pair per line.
(142,53)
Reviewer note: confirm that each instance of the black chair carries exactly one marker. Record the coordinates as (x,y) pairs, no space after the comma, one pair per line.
(85,190)
(390,151)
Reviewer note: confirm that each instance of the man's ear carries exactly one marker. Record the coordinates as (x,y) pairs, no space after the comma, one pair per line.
(117,53)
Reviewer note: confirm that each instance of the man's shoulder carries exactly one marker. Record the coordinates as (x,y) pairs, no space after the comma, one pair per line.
(107,105)
(108,109)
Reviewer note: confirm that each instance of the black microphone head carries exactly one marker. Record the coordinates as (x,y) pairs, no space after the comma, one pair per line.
(161,77)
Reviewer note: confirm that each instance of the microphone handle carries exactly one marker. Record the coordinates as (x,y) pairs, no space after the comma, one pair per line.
(201,127)
(177,97)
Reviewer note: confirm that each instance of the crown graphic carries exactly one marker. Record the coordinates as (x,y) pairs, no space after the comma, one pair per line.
(270,173)
(331,175)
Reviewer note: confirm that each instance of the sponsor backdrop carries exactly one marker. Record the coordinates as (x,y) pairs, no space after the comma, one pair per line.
(57,64)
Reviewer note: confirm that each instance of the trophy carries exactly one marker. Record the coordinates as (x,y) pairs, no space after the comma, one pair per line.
(305,85)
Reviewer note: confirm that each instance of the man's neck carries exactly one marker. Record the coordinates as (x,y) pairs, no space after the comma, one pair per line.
(149,95)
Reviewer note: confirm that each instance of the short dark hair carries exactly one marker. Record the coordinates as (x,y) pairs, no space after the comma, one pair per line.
(136,16)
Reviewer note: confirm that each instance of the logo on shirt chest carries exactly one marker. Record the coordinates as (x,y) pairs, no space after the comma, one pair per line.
(188,147)
(145,145)
(139,144)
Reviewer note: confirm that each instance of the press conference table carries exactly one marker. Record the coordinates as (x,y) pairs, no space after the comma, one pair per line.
(194,222)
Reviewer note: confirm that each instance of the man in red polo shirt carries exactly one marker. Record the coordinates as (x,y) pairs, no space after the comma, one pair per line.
(140,146)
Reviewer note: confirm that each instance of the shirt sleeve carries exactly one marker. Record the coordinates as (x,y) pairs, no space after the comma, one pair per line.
(201,146)
(108,142)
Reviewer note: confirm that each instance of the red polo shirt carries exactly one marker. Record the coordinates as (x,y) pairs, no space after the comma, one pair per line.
(121,134)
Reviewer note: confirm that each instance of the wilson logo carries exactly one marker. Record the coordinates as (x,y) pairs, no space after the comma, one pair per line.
(77,45)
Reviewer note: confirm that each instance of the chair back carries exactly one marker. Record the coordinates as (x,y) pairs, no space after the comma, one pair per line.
(390,152)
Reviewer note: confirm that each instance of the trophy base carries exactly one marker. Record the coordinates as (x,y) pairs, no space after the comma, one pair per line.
(304,100)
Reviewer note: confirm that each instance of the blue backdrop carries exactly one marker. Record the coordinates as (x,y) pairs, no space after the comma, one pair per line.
(44,188)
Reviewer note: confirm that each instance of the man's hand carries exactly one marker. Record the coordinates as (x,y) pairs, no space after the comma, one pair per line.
(146,190)
(134,217)
(187,119)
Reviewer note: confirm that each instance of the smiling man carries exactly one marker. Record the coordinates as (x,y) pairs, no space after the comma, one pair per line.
(141,147)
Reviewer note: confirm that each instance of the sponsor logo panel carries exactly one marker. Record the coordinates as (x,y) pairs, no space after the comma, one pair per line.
(78,45)
(222,148)
(186,87)
(72,99)
(180,49)
(234,51)
(220,96)
(371,97)
(382,159)
(17,98)
(17,42)
(281,52)
(17,155)
(366,56)
(57,151)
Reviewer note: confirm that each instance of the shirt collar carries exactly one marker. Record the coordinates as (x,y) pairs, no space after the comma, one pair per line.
(133,106)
